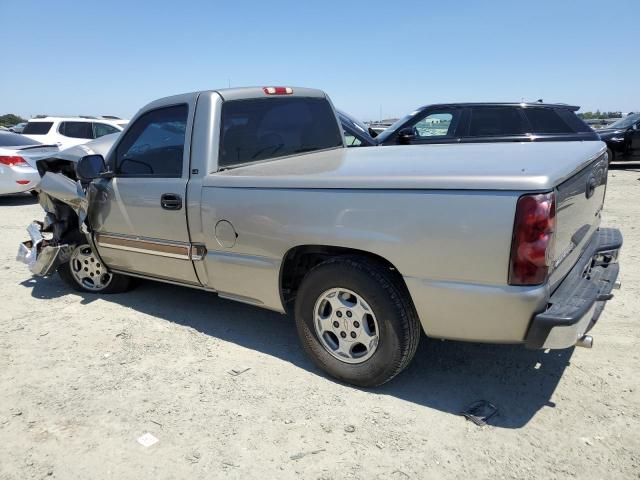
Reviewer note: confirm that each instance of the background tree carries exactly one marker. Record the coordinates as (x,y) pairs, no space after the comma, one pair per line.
(9,120)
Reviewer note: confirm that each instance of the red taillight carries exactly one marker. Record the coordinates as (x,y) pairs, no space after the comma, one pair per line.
(277,90)
(12,161)
(22,182)
(532,244)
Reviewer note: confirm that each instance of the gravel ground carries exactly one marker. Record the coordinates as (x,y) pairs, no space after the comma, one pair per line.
(83,377)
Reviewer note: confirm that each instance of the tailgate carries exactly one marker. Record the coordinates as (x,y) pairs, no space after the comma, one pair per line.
(579,203)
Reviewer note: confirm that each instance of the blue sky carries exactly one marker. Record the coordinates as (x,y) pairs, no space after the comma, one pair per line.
(69,57)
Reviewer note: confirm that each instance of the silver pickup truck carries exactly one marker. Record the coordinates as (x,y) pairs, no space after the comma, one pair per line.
(251,194)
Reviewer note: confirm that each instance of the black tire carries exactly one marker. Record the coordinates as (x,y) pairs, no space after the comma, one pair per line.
(398,324)
(611,155)
(117,284)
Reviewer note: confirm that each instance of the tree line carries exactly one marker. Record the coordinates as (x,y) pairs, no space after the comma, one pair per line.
(599,115)
(9,120)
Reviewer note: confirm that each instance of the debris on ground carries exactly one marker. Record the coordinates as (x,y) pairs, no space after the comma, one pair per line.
(300,455)
(193,457)
(350,429)
(479,412)
(147,440)
(238,371)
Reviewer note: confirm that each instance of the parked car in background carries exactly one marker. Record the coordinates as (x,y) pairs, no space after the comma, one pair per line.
(483,122)
(100,146)
(623,138)
(250,193)
(18,155)
(68,131)
(356,133)
(18,128)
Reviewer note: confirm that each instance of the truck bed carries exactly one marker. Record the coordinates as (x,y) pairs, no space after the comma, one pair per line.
(500,166)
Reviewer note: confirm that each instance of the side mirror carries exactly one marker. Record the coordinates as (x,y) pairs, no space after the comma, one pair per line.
(90,167)
(406,135)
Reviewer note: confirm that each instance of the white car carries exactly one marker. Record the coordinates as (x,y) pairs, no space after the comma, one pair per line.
(18,156)
(69,131)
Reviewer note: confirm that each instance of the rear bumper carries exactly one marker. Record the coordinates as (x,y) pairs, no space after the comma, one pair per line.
(577,303)
(18,179)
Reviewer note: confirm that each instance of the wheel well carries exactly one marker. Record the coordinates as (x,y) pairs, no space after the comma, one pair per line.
(300,260)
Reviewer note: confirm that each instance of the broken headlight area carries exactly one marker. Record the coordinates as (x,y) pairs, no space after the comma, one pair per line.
(65,204)
(43,255)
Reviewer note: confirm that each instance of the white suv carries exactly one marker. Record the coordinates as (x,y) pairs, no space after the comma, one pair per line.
(69,131)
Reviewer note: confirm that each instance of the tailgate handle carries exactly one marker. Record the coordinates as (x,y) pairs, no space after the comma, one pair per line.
(171,201)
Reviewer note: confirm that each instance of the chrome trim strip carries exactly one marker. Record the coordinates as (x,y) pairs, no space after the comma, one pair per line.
(150,247)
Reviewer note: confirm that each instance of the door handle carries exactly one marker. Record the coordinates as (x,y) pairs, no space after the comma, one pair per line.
(171,201)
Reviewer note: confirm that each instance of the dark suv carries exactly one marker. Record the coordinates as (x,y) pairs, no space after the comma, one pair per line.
(623,138)
(476,122)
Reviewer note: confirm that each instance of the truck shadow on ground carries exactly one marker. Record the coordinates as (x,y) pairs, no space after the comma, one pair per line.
(447,376)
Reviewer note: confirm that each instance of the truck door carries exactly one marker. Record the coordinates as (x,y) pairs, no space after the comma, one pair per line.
(140,221)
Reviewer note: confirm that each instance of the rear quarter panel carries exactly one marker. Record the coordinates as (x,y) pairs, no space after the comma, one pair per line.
(452,248)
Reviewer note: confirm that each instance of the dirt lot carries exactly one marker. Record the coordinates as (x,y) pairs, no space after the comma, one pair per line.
(82,377)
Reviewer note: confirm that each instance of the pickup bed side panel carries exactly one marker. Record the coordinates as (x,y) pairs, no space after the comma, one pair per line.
(452,247)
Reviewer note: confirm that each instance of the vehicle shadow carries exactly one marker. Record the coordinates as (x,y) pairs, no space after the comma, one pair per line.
(16,200)
(629,166)
(447,376)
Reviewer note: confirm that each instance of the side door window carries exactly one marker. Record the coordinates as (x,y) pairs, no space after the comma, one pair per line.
(437,126)
(102,129)
(76,130)
(154,145)
(496,122)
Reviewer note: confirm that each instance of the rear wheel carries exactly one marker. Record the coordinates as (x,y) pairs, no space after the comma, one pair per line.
(85,272)
(356,321)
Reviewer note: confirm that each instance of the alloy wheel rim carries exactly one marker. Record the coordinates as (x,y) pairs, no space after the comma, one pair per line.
(88,270)
(346,325)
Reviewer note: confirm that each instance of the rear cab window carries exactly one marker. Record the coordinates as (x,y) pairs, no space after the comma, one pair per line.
(37,128)
(261,129)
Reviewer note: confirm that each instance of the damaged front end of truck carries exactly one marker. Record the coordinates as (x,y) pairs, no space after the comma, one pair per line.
(65,204)
(65,201)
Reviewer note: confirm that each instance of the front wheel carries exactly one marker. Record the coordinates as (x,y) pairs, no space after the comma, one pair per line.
(356,321)
(611,155)
(85,272)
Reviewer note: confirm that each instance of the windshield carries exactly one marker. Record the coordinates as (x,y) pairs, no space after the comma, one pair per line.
(394,127)
(625,122)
